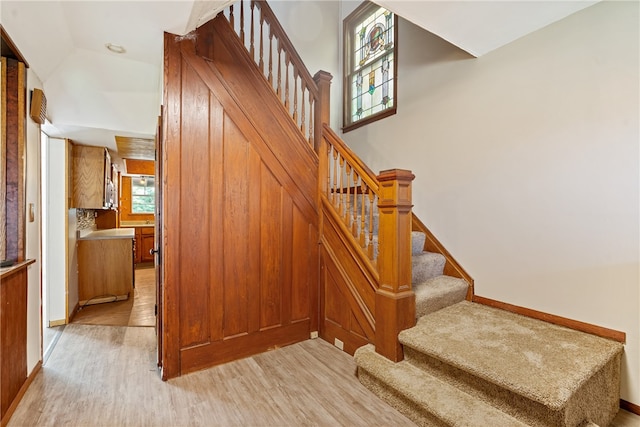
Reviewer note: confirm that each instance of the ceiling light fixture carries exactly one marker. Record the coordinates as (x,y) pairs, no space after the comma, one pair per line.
(115,48)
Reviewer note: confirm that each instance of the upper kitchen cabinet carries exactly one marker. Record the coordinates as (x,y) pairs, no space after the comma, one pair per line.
(93,186)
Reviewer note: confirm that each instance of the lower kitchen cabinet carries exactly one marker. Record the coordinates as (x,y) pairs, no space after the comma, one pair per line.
(145,242)
(105,270)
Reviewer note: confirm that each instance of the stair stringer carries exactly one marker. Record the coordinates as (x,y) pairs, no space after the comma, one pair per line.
(345,272)
(218,44)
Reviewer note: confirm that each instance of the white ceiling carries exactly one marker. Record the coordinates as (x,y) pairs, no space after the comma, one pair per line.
(93,94)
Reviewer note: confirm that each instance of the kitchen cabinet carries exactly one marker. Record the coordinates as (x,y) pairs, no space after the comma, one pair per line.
(92,178)
(105,266)
(145,242)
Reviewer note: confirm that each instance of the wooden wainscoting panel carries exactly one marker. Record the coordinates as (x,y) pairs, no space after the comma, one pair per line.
(241,230)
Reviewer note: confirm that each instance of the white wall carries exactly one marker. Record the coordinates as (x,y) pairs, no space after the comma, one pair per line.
(314,29)
(527,164)
(33,230)
(56,235)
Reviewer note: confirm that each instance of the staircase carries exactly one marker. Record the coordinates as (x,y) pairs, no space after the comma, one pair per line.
(381,270)
(472,365)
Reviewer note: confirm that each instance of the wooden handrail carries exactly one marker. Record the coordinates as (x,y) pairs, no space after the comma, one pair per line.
(282,67)
(286,45)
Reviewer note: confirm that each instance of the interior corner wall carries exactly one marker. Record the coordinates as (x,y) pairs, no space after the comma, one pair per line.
(527,164)
(33,237)
(56,199)
(314,27)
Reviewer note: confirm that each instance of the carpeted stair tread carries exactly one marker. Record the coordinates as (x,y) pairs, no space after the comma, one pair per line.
(414,391)
(439,292)
(540,361)
(426,265)
(417,242)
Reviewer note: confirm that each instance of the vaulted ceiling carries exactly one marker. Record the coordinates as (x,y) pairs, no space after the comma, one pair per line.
(94,94)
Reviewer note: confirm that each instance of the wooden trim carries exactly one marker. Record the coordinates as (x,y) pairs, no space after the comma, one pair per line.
(54,323)
(630,407)
(20,395)
(556,320)
(8,271)
(12,47)
(73,313)
(451,268)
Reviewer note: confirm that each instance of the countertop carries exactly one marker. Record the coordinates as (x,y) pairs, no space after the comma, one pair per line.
(113,233)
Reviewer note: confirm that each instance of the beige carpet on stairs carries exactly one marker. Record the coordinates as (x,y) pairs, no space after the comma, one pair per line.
(536,372)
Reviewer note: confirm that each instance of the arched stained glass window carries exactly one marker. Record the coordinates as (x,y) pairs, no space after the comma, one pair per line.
(370,34)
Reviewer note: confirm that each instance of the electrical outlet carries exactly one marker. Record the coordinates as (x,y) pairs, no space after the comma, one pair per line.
(338,343)
(314,335)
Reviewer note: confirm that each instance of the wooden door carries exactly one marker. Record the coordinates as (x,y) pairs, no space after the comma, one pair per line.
(240,246)
(159,176)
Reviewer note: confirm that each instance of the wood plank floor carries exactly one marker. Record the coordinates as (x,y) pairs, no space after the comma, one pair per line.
(106,376)
(138,310)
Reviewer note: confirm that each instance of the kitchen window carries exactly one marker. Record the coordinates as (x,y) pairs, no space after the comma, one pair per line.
(143,195)
(370,65)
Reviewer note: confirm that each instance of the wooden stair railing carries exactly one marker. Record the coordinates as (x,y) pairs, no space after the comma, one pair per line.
(346,185)
(353,192)
(267,43)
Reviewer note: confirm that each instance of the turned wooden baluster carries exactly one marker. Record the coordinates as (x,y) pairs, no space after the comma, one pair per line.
(371,207)
(261,62)
(335,177)
(242,22)
(311,140)
(363,195)
(286,81)
(279,88)
(395,300)
(354,224)
(341,186)
(302,106)
(295,95)
(231,20)
(347,214)
(252,50)
(270,77)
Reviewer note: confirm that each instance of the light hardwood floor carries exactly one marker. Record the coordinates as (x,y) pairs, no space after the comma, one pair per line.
(138,310)
(106,376)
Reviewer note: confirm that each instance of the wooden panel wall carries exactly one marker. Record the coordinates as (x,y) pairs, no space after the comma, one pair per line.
(347,289)
(125,203)
(12,210)
(240,243)
(13,336)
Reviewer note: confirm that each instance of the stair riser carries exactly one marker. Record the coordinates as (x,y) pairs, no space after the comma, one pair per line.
(425,269)
(416,414)
(593,397)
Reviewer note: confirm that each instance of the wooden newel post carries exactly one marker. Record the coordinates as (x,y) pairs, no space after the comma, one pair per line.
(395,300)
(323,107)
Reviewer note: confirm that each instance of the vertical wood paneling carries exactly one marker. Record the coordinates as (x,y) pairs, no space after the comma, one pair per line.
(171,360)
(240,231)
(216,219)
(287,256)
(301,266)
(235,235)
(253,246)
(194,206)
(270,250)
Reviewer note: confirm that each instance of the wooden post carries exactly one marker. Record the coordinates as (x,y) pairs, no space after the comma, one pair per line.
(395,300)
(323,107)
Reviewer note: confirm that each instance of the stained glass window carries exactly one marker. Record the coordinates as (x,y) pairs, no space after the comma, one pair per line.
(369,65)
